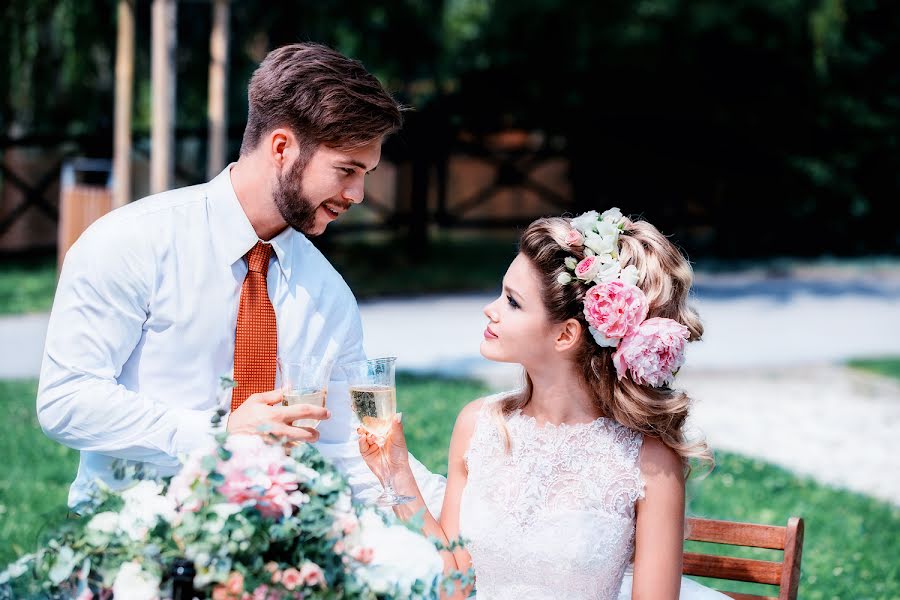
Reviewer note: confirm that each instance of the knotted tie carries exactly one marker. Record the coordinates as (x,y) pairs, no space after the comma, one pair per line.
(256,339)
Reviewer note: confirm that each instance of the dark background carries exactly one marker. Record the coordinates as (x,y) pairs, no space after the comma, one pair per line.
(747,128)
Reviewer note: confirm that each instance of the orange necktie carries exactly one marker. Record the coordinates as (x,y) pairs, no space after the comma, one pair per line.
(256,338)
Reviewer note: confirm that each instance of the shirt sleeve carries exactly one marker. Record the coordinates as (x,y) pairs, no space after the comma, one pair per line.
(101,304)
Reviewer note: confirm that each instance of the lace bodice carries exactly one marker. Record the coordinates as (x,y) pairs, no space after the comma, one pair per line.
(555,517)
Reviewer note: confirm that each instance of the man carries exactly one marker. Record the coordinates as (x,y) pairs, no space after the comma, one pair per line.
(159,299)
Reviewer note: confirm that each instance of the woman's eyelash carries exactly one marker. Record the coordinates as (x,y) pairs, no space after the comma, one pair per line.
(512,302)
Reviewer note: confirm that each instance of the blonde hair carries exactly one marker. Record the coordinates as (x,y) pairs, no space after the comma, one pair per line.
(665,278)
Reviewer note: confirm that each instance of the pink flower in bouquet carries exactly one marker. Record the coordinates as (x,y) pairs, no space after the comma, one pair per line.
(86,594)
(291,578)
(654,353)
(574,239)
(235,583)
(312,574)
(256,474)
(615,309)
(362,554)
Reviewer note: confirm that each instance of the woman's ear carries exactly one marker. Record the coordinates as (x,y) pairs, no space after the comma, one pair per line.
(568,335)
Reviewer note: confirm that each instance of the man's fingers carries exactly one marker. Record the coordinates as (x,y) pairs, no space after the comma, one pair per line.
(289,414)
(295,434)
(272,397)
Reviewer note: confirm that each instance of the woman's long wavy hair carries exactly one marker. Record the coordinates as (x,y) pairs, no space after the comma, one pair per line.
(665,278)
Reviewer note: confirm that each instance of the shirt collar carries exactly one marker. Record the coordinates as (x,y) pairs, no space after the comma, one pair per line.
(232,233)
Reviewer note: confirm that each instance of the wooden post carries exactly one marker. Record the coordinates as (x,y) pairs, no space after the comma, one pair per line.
(124,87)
(162,130)
(218,88)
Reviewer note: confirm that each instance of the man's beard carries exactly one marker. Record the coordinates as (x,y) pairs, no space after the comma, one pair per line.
(297,210)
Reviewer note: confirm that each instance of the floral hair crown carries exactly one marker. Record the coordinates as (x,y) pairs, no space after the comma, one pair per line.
(651,350)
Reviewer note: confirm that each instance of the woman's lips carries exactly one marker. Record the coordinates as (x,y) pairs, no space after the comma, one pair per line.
(489,335)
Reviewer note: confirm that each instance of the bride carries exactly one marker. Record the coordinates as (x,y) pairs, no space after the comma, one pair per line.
(559,488)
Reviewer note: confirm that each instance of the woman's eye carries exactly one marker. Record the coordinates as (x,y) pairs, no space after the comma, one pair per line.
(512,302)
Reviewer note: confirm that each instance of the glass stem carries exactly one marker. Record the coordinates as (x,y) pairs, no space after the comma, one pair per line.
(388,477)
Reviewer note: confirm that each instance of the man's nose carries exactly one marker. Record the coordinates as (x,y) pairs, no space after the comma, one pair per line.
(355,192)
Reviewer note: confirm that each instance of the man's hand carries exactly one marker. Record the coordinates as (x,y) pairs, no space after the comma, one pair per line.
(263,414)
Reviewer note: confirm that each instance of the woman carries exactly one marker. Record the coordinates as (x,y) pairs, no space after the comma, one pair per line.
(557,488)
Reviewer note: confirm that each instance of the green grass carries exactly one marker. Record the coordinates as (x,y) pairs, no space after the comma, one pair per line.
(888,366)
(850,552)
(34,475)
(27,285)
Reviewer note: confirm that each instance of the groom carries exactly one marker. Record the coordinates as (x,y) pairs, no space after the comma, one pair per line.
(159,299)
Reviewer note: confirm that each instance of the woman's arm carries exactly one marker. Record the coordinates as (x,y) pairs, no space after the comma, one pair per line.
(659,535)
(447,529)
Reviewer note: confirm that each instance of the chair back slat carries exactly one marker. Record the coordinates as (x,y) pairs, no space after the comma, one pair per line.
(737,534)
(728,567)
(784,574)
(738,596)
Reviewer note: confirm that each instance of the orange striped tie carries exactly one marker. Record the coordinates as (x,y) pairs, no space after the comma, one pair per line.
(256,338)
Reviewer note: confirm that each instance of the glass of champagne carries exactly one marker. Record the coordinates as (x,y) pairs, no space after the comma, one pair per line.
(373,396)
(304,381)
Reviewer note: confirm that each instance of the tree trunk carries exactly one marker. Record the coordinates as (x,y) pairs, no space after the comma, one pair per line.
(124,87)
(162,130)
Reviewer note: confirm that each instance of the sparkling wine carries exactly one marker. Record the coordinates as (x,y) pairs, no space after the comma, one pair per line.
(314,397)
(375,405)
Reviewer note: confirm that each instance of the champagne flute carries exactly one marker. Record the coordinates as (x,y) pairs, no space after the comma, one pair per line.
(373,397)
(304,381)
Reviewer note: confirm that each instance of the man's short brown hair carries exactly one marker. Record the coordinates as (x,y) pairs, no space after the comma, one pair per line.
(323,96)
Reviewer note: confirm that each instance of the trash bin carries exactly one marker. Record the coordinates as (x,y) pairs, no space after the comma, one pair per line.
(85,196)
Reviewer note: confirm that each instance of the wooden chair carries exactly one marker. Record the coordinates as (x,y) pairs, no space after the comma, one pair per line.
(785,574)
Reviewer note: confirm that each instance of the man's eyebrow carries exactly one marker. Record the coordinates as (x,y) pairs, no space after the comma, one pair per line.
(359,165)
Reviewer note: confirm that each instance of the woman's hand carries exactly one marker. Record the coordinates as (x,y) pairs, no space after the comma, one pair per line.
(394,452)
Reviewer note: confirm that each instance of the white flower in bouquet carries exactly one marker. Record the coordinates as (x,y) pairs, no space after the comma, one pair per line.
(144,505)
(400,557)
(133,583)
(105,522)
(613,215)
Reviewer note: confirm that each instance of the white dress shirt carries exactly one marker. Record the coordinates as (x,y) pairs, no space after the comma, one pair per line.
(143,326)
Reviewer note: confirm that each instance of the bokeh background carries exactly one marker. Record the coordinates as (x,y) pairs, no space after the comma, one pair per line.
(761,135)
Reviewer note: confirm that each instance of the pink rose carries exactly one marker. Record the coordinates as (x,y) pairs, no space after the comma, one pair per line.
(574,239)
(235,583)
(615,310)
(362,554)
(654,353)
(587,268)
(312,574)
(291,578)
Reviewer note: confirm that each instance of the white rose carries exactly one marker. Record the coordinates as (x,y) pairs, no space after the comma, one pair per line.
(608,271)
(585,222)
(135,584)
(601,244)
(608,229)
(570,262)
(400,556)
(629,275)
(105,522)
(613,215)
(144,504)
(564,278)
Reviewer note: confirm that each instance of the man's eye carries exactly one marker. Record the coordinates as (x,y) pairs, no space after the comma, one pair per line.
(512,302)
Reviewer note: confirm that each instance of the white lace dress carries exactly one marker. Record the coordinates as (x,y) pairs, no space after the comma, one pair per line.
(555,517)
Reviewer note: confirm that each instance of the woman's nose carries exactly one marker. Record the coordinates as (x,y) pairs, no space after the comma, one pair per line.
(490,312)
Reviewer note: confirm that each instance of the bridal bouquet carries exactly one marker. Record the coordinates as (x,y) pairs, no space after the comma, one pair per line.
(245,521)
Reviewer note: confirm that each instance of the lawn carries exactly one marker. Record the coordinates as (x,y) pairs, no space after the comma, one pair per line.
(889,366)
(850,551)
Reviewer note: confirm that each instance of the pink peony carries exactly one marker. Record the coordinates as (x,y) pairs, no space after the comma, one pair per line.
(312,574)
(587,268)
(574,239)
(654,353)
(615,309)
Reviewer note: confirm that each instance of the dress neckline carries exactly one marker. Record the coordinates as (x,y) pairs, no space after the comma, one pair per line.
(548,426)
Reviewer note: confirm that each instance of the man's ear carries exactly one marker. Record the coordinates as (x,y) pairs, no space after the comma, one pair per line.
(568,335)
(282,146)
